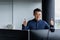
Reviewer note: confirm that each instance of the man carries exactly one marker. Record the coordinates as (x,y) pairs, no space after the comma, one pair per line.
(36,23)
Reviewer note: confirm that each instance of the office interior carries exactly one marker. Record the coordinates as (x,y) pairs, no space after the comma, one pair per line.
(13,12)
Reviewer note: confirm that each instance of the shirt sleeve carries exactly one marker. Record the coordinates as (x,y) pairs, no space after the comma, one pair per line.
(47,26)
(50,27)
(26,27)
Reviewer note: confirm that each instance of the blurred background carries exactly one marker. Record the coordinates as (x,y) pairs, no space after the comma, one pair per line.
(13,12)
(57,14)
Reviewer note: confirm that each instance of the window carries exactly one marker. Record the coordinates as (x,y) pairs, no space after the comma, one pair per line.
(57,14)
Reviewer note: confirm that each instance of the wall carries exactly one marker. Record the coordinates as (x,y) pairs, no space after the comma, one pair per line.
(5,13)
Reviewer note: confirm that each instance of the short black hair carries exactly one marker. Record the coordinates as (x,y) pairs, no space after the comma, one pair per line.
(37,9)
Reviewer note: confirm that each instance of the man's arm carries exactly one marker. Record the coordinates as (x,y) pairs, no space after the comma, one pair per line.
(47,26)
(25,27)
(50,27)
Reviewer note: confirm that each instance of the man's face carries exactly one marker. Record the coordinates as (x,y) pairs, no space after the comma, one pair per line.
(38,15)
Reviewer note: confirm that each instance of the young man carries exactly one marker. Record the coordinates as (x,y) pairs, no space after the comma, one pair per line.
(36,23)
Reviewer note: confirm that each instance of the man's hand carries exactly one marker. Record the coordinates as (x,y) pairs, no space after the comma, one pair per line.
(52,29)
(25,22)
(52,22)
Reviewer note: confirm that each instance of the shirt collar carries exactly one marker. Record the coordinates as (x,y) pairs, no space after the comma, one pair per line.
(36,20)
